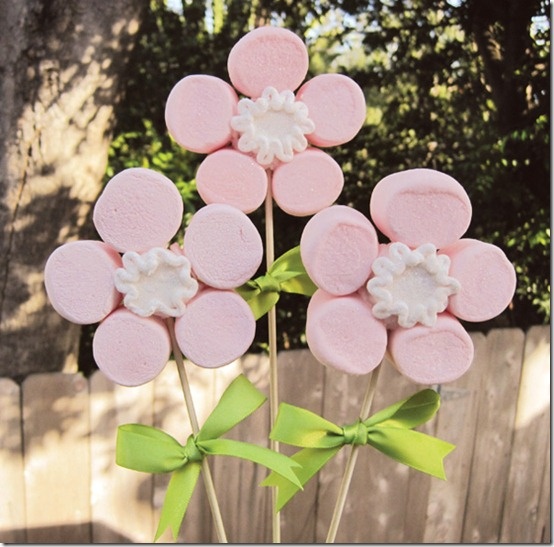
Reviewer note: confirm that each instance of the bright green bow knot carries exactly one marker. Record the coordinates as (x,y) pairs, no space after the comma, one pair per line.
(390,431)
(355,433)
(287,274)
(144,448)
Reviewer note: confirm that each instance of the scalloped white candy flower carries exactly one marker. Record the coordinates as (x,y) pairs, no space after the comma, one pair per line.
(272,126)
(156,282)
(412,285)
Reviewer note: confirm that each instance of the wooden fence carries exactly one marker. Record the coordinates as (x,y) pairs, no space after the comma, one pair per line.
(59,482)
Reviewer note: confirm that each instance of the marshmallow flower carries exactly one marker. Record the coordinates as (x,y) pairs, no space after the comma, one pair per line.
(405,297)
(267,134)
(133,294)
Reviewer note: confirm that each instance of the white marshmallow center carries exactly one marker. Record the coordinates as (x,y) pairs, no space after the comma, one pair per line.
(411,285)
(156,282)
(272,126)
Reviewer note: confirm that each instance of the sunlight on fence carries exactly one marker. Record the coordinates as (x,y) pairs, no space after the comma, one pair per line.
(60,482)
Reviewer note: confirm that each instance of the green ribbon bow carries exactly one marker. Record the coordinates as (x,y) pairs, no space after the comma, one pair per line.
(145,448)
(287,274)
(390,431)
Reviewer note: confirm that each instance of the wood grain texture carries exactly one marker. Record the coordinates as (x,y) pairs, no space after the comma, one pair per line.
(60,482)
(531,443)
(493,436)
(12,499)
(116,519)
(57,458)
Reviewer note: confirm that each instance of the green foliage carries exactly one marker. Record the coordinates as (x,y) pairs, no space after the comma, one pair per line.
(435,99)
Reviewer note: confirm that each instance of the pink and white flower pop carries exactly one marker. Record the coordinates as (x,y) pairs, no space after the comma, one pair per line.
(138,214)
(404,297)
(272,129)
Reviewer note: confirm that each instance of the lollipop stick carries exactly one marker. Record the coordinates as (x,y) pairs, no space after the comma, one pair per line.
(272,335)
(351,463)
(208,481)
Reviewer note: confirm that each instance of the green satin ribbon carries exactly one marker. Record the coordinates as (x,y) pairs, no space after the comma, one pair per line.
(287,274)
(390,431)
(144,448)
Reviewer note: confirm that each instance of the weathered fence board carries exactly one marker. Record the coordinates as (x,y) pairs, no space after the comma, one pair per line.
(171,416)
(380,486)
(531,440)
(60,483)
(112,520)
(301,383)
(493,436)
(456,423)
(245,506)
(12,505)
(57,458)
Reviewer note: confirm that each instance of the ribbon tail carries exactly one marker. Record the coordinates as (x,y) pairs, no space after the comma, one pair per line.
(261,303)
(179,492)
(238,401)
(311,460)
(413,448)
(278,463)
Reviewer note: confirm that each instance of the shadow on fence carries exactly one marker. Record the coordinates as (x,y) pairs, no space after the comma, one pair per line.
(60,483)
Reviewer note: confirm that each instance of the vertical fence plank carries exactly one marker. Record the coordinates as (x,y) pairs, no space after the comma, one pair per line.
(121,499)
(301,384)
(498,477)
(208,386)
(12,500)
(171,415)
(457,420)
(531,443)
(246,506)
(493,436)
(375,507)
(341,401)
(543,532)
(392,503)
(57,458)
(417,499)
(381,487)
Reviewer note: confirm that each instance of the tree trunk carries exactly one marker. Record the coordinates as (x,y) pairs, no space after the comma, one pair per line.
(61,67)
(501,32)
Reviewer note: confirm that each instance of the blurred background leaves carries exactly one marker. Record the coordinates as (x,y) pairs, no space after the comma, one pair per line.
(462,86)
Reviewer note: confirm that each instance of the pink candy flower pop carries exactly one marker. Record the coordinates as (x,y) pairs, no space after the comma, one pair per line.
(132,294)
(269,130)
(405,296)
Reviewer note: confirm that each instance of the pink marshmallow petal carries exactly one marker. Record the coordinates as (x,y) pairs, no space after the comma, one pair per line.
(198,113)
(138,209)
(79,280)
(343,333)
(216,328)
(230,177)
(131,350)
(487,278)
(223,246)
(336,105)
(268,56)
(421,206)
(432,355)
(310,182)
(338,246)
